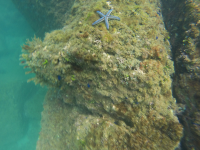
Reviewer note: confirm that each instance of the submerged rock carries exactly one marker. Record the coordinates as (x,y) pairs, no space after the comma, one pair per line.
(182,20)
(129,103)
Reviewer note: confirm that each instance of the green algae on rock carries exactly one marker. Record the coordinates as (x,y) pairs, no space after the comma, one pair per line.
(186,49)
(121,76)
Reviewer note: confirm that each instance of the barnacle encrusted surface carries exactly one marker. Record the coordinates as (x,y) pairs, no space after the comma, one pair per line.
(120,77)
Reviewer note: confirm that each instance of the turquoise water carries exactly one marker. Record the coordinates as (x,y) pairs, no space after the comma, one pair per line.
(20,103)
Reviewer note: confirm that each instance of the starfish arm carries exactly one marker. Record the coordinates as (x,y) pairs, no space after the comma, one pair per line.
(98,21)
(109,12)
(113,17)
(100,13)
(106,21)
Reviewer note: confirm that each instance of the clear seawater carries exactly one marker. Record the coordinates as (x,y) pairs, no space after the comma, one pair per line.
(20,115)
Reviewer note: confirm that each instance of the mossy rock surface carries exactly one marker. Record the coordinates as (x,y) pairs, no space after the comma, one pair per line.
(186,52)
(122,74)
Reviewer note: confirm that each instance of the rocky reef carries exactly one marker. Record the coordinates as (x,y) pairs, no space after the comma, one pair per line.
(182,20)
(110,89)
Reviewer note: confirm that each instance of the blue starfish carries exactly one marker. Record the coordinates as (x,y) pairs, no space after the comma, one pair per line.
(105,17)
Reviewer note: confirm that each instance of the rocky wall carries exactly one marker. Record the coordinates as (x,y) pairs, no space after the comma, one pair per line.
(111,88)
(182,20)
